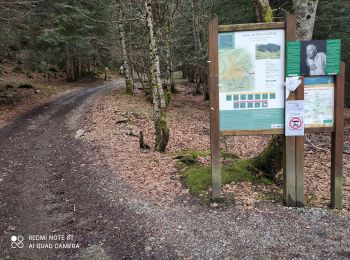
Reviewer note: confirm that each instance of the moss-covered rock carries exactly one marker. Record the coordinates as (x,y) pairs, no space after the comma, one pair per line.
(188,159)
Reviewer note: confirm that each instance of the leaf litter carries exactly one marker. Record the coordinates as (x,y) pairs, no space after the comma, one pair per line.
(155,175)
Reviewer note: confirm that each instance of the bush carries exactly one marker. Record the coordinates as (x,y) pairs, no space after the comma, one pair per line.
(9,97)
(2,71)
(29,74)
(25,85)
(18,69)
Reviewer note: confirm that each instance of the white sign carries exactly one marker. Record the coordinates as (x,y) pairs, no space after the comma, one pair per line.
(294,118)
(292,83)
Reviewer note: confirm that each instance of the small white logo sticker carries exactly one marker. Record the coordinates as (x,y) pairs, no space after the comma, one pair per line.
(17,241)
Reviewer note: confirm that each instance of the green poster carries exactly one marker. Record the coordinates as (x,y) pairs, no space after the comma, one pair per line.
(313,58)
(293,59)
(333,57)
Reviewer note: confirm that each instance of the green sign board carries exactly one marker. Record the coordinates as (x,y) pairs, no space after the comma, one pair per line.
(313,58)
(293,58)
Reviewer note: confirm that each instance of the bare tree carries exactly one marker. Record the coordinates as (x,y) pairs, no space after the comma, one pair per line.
(159,101)
(127,68)
(197,15)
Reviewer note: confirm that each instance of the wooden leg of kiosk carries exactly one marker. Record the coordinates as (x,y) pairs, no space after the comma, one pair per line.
(293,174)
(214,111)
(337,141)
(299,157)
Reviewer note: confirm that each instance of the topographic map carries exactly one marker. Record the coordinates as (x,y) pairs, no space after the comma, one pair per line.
(317,115)
(236,70)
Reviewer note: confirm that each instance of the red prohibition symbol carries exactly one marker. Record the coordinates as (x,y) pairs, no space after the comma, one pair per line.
(295,123)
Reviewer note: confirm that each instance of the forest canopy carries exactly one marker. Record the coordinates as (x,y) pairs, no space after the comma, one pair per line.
(80,37)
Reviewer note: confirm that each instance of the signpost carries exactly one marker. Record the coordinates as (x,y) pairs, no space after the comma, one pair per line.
(247,68)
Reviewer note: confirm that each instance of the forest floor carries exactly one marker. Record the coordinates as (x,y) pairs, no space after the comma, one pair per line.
(157,175)
(73,166)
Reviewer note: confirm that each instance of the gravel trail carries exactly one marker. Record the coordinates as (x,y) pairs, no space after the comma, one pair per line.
(54,183)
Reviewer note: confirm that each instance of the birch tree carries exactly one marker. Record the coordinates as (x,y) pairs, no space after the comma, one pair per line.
(127,67)
(159,100)
(196,20)
(170,11)
(306,15)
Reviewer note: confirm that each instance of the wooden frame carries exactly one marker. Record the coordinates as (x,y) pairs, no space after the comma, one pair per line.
(275,131)
(251,27)
(215,132)
(248,27)
(293,159)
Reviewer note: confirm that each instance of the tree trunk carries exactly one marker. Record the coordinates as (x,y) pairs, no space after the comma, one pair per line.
(196,16)
(168,60)
(263,11)
(270,160)
(159,104)
(129,81)
(306,15)
(79,68)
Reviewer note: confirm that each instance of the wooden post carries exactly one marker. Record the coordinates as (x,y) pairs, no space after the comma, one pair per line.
(337,141)
(214,109)
(289,176)
(299,156)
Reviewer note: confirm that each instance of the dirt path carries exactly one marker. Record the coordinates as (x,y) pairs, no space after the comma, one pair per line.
(53,183)
(47,187)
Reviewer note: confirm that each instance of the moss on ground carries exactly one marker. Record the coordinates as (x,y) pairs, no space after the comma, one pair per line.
(195,153)
(197,177)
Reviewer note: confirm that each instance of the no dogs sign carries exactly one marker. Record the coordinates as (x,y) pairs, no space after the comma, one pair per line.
(294,118)
(295,122)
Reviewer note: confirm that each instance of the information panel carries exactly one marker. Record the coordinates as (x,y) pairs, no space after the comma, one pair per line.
(313,58)
(319,101)
(251,77)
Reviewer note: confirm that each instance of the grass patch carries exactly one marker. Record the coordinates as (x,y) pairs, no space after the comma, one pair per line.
(198,178)
(196,153)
